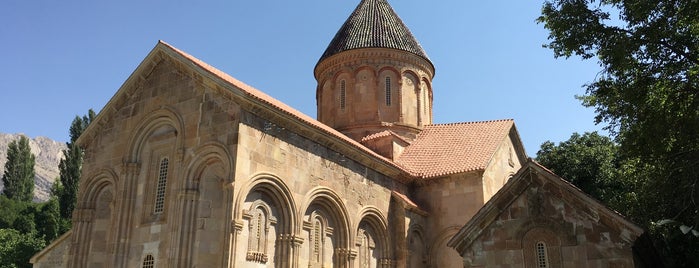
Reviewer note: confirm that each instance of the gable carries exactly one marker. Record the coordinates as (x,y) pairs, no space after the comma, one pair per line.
(535,206)
(445,149)
(247,97)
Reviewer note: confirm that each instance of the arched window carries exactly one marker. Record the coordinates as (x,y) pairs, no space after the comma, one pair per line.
(425,103)
(541,248)
(343,93)
(317,240)
(388,91)
(257,242)
(542,260)
(160,189)
(148,261)
(260,220)
(366,249)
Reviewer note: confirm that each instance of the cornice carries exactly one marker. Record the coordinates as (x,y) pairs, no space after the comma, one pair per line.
(372,56)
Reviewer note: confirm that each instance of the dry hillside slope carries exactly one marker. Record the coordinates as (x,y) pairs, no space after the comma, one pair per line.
(48,154)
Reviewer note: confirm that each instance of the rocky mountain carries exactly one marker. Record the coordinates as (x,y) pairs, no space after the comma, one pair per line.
(48,154)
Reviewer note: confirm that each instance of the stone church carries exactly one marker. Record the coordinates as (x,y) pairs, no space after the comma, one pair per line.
(188,167)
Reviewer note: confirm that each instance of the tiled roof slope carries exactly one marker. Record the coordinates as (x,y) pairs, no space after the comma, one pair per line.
(280,106)
(382,134)
(444,149)
(374,24)
(250,91)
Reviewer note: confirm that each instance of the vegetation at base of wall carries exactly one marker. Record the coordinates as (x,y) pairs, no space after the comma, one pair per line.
(17,247)
(27,227)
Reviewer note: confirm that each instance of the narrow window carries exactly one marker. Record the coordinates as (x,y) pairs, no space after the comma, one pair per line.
(541,256)
(257,243)
(317,242)
(148,261)
(160,189)
(425,101)
(388,91)
(364,250)
(342,94)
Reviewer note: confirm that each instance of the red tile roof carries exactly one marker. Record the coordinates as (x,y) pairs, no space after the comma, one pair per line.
(439,150)
(445,149)
(263,97)
(409,203)
(382,134)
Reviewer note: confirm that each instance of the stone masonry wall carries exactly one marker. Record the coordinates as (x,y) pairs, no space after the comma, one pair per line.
(574,235)
(311,176)
(170,112)
(451,202)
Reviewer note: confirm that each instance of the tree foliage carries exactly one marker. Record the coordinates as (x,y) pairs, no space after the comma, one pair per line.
(71,166)
(25,228)
(589,161)
(648,94)
(18,178)
(16,248)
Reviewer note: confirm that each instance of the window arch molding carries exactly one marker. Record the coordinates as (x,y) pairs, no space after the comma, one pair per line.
(532,241)
(99,184)
(343,87)
(280,196)
(373,226)
(330,205)
(210,158)
(372,218)
(389,84)
(260,218)
(202,158)
(147,129)
(93,186)
(417,246)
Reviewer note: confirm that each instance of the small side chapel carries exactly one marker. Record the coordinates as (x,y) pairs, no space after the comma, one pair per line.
(188,167)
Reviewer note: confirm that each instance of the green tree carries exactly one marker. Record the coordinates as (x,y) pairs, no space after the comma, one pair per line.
(647,93)
(19,171)
(49,224)
(71,166)
(17,248)
(589,161)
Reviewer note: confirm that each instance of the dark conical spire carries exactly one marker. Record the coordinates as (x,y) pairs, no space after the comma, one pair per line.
(374,24)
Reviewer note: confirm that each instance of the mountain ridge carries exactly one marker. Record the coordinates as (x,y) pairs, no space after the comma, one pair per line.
(48,153)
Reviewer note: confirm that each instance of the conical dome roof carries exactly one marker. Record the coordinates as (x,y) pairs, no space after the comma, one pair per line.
(374,24)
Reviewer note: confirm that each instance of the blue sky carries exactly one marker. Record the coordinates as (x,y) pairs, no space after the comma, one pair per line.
(61,58)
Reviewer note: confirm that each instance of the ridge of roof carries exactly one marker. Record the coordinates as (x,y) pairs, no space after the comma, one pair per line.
(445,149)
(374,24)
(382,134)
(473,122)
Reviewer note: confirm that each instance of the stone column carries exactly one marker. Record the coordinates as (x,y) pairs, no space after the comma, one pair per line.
(80,247)
(228,248)
(344,257)
(125,196)
(385,263)
(236,227)
(186,213)
(289,246)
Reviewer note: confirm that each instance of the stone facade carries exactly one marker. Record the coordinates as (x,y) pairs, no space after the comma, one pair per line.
(386,89)
(539,220)
(188,167)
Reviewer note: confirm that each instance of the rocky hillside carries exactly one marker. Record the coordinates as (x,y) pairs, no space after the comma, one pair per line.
(48,154)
